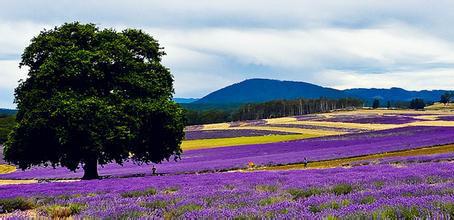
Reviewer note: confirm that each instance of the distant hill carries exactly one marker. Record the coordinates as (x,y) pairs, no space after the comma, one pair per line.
(184,100)
(7,112)
(395,94)
(261,90)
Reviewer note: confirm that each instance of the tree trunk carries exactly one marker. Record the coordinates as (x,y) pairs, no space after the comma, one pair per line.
(91,169)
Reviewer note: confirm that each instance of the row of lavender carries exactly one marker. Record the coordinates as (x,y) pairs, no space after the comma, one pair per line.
(226,158)
(422,191)
(212,134)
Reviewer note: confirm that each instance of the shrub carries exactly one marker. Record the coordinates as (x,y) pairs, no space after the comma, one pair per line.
(270,200)
(447,208)
(171,190)
(18,203)
(178,212)
(157,204)
(304,193)
(367,200)
(139,193)
(58,211)
(401,212)
(266,188)
(342,189)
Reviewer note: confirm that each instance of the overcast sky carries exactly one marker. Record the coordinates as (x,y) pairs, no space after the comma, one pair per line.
(213,43)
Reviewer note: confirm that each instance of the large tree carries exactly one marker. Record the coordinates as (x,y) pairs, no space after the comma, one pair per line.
(93,97)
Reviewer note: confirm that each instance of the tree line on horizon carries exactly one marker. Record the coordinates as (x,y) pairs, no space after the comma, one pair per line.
(270,109)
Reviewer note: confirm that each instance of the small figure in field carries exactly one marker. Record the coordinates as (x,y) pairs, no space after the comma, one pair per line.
(250,165)
(153,170)
(305,162)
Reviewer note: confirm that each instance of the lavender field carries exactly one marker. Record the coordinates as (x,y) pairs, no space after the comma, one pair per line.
(220,182)
(382,191)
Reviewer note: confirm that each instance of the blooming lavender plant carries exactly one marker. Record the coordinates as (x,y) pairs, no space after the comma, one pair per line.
(368,191)
(211,134)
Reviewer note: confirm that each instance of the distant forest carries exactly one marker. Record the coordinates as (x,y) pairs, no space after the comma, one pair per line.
(271,109)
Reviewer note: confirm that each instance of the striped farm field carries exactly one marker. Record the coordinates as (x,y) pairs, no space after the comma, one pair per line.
(346,161)
(4,168)
(348,125)
(240,141)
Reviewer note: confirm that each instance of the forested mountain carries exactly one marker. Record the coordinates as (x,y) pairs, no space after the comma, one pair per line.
(395,94)
(262,90)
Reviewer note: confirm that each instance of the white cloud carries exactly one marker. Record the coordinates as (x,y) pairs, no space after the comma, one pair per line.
(10,74)
(211,44)
(429,79)
(15,36)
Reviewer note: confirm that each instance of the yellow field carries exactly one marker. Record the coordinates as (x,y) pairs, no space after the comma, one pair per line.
(348,125)
(346,161)
(440,106)
(6,169)
(317,132)
(11,182)
(239,141)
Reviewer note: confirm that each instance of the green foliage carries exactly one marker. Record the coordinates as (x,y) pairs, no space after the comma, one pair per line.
(270,200)
(272,109)
(342,189)
(446,97)
(401,212)
(376,104)
(417,104)
(157,204)
(139,193)
(94,96)
(18,203)
(329,205)
(58,211)
(367,200)
(304,193)
(171,190)
(7,124)
(266,188)
(446,207)
(181,210)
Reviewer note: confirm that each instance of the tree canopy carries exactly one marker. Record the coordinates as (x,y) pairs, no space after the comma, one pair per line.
(417,104)
(376,103)
(93,97)
(446,97)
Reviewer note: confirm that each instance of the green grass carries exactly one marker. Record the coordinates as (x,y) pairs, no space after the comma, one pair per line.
(238,141)
(6,126)
(139,193)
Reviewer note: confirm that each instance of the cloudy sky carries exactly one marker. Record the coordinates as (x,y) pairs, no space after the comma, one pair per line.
(211,44)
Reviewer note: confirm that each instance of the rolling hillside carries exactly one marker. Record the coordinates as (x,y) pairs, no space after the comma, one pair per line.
(261,90)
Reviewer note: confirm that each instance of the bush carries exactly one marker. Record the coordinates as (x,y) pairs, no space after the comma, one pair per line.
(139,193)
(266,188)
(304,193)
(178,212)
(171,190)
(342,189)
(58,211)
(401,212)
(12,204)
(269,201)
(158,204)
(367,200)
